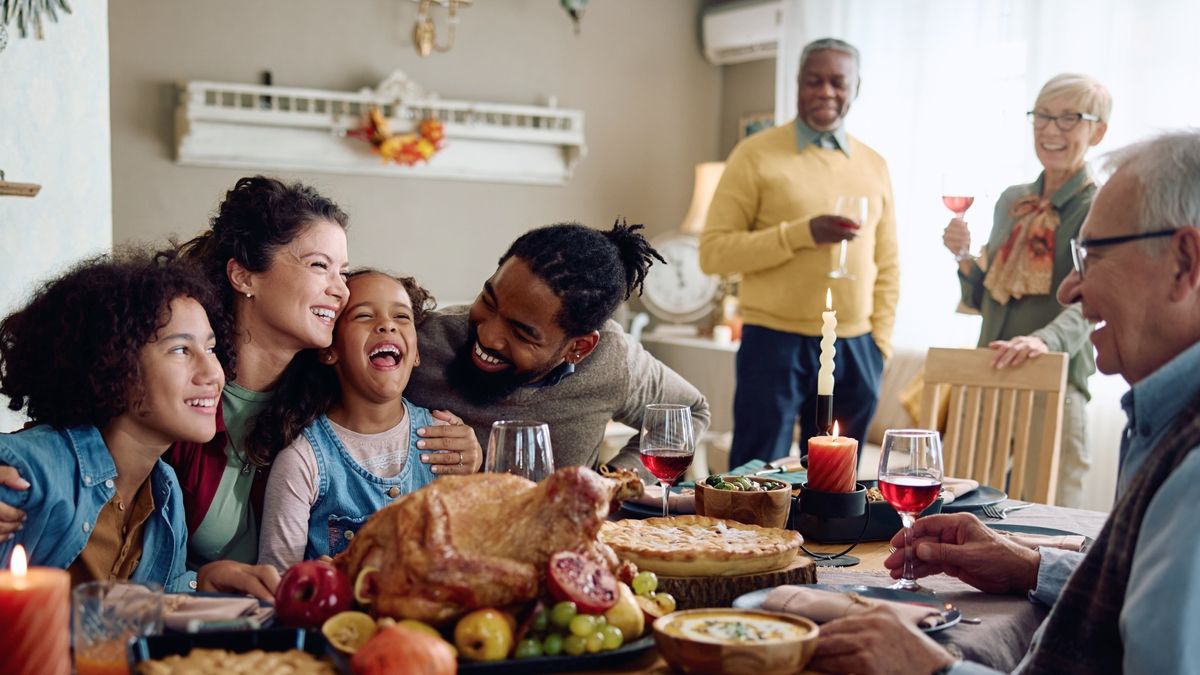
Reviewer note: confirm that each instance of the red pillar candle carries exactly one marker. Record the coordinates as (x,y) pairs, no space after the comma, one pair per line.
(832,463)
(35,619)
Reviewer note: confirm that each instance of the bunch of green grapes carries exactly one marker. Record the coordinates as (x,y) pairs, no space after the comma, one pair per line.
(645,584)
(562,629)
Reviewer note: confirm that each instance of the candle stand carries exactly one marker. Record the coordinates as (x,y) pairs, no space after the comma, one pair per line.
(822,515)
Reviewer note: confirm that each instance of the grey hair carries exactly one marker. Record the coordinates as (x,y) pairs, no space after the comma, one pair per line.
(1167,168)
(832,44)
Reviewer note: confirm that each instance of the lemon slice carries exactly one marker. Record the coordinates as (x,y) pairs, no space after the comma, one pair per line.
(347,631)
(364,585)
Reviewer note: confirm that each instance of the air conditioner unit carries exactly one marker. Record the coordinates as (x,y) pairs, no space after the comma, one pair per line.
(741,31)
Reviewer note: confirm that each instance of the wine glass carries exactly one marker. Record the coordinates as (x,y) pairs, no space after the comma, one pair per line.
(958,196)
(910,478)
(520,447)
(667,443)
(852,209)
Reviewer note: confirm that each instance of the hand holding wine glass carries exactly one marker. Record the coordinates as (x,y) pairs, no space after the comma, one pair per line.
(667,443)
(910,478)
(958,197)
(853,210)
(521,448)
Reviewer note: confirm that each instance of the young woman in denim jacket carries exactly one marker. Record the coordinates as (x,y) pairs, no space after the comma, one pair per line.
(353,437)
(113,361)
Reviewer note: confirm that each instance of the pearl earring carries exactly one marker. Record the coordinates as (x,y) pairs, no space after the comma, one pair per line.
(249,295)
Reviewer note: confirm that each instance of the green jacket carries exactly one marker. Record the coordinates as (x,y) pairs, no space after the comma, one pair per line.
(1062,329)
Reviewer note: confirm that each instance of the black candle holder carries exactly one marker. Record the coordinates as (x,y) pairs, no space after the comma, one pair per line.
(817,514)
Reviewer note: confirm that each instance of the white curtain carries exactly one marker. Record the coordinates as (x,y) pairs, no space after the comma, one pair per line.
(946,84)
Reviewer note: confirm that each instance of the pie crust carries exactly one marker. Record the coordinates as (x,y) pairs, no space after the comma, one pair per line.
(699,546)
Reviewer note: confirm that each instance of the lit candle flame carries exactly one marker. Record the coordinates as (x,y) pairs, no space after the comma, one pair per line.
(835,428)
(828,299)
(19,563)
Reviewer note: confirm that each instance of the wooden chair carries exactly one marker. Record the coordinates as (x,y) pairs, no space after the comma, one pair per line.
(991,418)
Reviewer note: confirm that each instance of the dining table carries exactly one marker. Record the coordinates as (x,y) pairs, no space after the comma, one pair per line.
(1000,627)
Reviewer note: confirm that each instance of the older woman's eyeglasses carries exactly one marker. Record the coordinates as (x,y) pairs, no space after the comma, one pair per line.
(1079,248)
(1064,122)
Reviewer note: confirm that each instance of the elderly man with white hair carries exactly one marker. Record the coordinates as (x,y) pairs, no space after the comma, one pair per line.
(1131,603)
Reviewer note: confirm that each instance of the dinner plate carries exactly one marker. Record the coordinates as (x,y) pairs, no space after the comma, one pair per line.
(950,616)
(563,663)
(634,509)
(1034,529)
(975,499)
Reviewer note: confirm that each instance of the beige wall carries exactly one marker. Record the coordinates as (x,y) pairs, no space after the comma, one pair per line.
(652,106)
(746,89)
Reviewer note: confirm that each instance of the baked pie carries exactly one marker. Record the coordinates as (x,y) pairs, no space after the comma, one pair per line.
(698,546)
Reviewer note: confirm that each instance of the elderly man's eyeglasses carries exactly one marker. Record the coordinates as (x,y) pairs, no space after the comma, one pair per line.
(1079,248)
(1064,122)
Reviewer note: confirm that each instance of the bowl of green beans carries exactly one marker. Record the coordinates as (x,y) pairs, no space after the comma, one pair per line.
(753,500)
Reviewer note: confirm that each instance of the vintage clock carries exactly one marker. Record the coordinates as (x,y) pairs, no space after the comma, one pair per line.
(679,292)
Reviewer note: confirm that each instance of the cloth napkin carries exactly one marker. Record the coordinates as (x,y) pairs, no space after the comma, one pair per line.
(822,606)
(953,488)
(1067,542)
(184,611)
(794,476)
(680,500)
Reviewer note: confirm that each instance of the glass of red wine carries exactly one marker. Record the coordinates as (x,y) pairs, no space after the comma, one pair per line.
(667,444)
(910,478)
(957,197)
(521,448)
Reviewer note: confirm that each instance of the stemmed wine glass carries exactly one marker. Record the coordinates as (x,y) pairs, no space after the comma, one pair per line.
(521,448)
(667,444)
(910,478)
(852,209)
(958,197)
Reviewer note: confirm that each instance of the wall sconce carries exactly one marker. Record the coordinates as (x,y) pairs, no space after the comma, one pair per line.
(424,32)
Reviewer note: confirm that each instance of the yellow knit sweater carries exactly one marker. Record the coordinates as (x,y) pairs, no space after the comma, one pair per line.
(758,226)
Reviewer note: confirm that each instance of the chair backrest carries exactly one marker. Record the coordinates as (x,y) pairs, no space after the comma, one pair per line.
(992,417)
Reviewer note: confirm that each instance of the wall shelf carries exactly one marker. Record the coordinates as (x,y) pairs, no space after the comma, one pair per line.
(263,127)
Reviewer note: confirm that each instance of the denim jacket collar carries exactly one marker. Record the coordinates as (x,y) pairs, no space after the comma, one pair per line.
(95,462)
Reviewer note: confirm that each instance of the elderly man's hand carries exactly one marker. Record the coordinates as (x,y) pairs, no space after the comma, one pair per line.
(11,518)
(1016,351)
(957,237)
(460,452)
(961,546)
(832,229)
(876,642)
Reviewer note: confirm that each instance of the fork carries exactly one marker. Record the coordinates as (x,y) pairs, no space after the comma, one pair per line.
(1000,514)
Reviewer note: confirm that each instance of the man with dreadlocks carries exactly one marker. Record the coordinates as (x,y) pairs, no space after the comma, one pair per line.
(538,343)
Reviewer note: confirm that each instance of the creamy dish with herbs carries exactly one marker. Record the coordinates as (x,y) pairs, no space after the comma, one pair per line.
(734,628)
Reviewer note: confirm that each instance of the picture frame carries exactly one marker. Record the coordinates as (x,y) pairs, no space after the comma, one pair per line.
(754,122)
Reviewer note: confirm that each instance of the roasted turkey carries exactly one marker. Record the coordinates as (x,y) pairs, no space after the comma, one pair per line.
(468,542)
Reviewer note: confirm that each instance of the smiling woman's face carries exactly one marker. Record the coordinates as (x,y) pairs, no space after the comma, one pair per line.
(295,301)
(1064,151)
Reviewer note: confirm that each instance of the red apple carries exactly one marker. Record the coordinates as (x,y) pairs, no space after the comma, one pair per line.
(310,592)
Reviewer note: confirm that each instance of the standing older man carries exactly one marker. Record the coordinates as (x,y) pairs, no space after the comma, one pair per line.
(1132,603)
(769,222)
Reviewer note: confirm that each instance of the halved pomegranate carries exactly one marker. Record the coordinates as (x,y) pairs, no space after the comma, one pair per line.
(589,585)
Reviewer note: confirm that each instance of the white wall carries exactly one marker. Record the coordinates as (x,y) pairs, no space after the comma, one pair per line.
(54,131)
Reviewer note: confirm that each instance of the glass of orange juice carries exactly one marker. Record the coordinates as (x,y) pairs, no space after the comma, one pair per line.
(106,615)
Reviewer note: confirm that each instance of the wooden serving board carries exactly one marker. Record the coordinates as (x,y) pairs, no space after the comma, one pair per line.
(697,592)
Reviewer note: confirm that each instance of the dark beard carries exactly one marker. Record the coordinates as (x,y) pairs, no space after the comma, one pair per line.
(478,387)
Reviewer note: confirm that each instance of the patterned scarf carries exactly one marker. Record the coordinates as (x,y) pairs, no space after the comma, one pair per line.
(1082,633)
(1025,264)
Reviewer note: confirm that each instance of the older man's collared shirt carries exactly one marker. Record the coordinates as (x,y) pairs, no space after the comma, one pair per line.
(830,140)
(1160,618)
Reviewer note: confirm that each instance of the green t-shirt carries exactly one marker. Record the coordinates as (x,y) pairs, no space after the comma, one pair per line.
(229,530)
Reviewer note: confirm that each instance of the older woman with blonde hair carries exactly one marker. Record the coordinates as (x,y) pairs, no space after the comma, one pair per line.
(1028,253)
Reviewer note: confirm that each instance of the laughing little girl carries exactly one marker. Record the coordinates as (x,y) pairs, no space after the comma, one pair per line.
(360,454)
